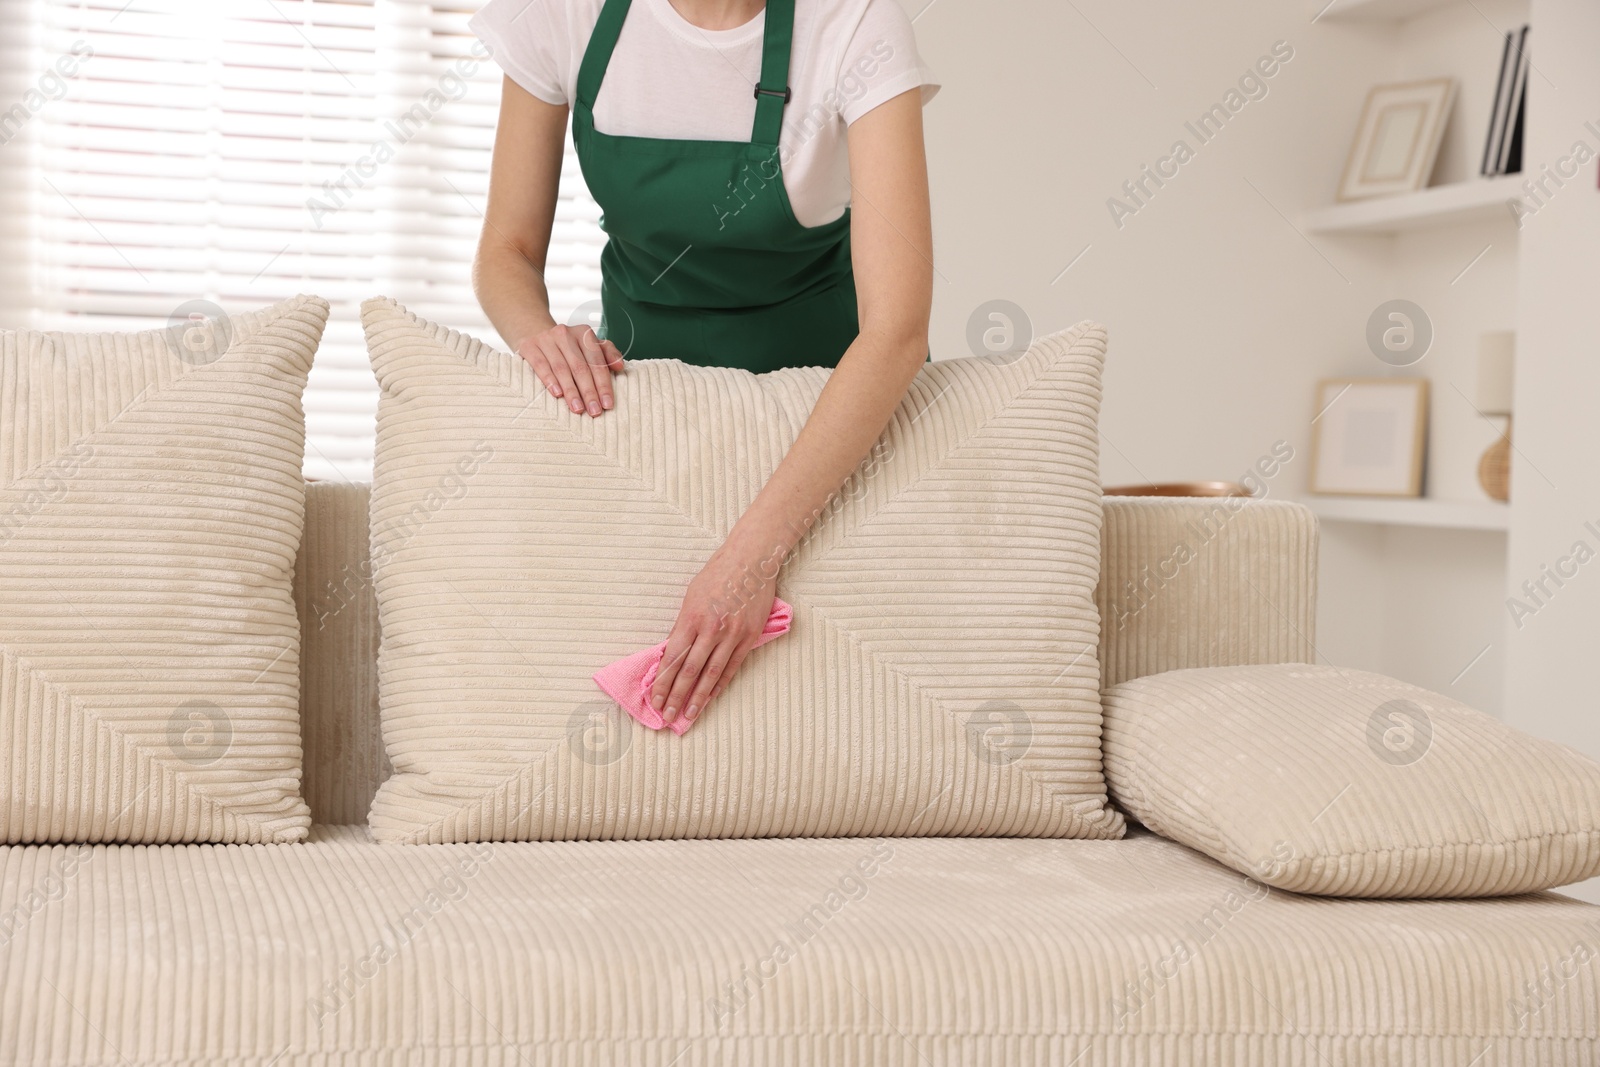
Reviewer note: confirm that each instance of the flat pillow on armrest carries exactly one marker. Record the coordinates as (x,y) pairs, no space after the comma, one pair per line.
(1343,783)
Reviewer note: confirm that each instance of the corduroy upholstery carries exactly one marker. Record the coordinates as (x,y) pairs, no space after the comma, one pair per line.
(1247,596)
(1322,780)
(903,952)
(344,756)
(940,678)
(1215,582)
(150,505)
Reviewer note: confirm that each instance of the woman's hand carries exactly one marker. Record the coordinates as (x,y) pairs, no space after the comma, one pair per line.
(574,363)
(723,614)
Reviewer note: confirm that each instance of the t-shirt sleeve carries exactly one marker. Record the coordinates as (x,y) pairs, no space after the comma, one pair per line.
(881,61)
(531,42)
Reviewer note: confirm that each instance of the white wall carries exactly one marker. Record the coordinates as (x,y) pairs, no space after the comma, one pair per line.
(1222,313)
(1551,687)
(1556,473)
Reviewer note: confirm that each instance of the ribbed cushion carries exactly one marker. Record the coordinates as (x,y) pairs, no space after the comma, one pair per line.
(899,953)
(1344,783)
(151,502)
(941,676)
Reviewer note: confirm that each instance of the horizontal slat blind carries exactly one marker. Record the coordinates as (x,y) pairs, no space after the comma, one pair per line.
(242,151)
(19,32)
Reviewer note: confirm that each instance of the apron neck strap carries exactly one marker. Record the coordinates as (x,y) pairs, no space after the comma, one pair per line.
(773,92)
(597,57)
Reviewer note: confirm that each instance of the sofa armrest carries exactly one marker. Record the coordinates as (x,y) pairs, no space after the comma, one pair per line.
(1212,582)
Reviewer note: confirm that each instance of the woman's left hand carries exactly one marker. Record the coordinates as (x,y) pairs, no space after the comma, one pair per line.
(723,614)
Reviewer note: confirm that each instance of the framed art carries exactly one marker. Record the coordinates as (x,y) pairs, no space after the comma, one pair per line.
(1397,139)
(1369,436)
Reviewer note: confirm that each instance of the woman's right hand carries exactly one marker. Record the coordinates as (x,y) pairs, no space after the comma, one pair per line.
(575,365)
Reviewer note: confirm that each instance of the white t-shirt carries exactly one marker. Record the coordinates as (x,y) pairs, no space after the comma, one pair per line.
(671,80)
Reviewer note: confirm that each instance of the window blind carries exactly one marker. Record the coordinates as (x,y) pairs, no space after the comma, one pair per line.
(18,40)
(242,151)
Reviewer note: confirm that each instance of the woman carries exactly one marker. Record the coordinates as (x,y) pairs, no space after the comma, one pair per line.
(760,168)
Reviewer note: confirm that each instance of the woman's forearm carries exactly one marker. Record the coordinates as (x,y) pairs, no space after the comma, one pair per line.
(892,246)
(848,419)
(511,291)
(524,184)
(726,607)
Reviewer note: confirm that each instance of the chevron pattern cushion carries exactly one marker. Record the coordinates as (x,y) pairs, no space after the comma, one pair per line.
(941,676)
(150,510)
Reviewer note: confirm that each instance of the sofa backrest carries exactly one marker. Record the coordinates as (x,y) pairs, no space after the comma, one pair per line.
(344,754)
(1184,583)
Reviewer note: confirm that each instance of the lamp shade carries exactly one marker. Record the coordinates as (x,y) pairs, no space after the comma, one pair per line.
(1496,360)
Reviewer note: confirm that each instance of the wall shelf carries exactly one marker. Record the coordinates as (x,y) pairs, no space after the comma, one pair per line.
(1482,198)
(1439,514)
(1371,10)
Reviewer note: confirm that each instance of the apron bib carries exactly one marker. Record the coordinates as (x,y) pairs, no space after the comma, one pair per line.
(705,261)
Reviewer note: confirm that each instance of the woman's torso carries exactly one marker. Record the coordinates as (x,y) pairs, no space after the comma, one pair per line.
(669,79)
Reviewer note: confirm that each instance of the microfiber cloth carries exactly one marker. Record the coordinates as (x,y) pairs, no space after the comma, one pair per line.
(628,680)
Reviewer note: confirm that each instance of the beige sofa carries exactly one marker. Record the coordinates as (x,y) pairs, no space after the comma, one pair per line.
(909,951)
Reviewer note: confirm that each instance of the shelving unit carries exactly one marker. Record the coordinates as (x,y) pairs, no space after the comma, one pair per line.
(1442,205)
(1405,594)
(1438,514)
(1371,10)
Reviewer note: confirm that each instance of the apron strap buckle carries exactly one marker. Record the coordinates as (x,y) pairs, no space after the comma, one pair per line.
(787,93)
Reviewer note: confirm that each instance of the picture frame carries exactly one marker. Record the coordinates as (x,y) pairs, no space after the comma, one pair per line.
(1397,139)
(1369,437)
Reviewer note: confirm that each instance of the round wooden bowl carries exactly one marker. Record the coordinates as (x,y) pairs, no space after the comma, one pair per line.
(1179,489)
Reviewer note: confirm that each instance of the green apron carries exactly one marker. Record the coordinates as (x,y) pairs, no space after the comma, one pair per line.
(705,261)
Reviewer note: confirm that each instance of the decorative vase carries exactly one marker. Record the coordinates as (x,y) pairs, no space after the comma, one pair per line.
(1494,469)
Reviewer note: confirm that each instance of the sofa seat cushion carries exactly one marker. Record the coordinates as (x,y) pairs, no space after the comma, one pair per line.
(906,951)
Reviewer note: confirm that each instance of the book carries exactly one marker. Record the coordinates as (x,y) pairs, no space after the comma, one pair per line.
(1511,140)
(1502,92)
(1514,149)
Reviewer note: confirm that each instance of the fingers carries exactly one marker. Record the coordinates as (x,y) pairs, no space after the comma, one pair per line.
(679,672)
(711,685)
(671,662)
(594,354)
(715,670)
(565,388)
(535,357)
(587,397)
(575,366)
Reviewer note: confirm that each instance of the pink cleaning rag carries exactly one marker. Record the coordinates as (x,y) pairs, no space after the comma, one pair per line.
(628,680)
